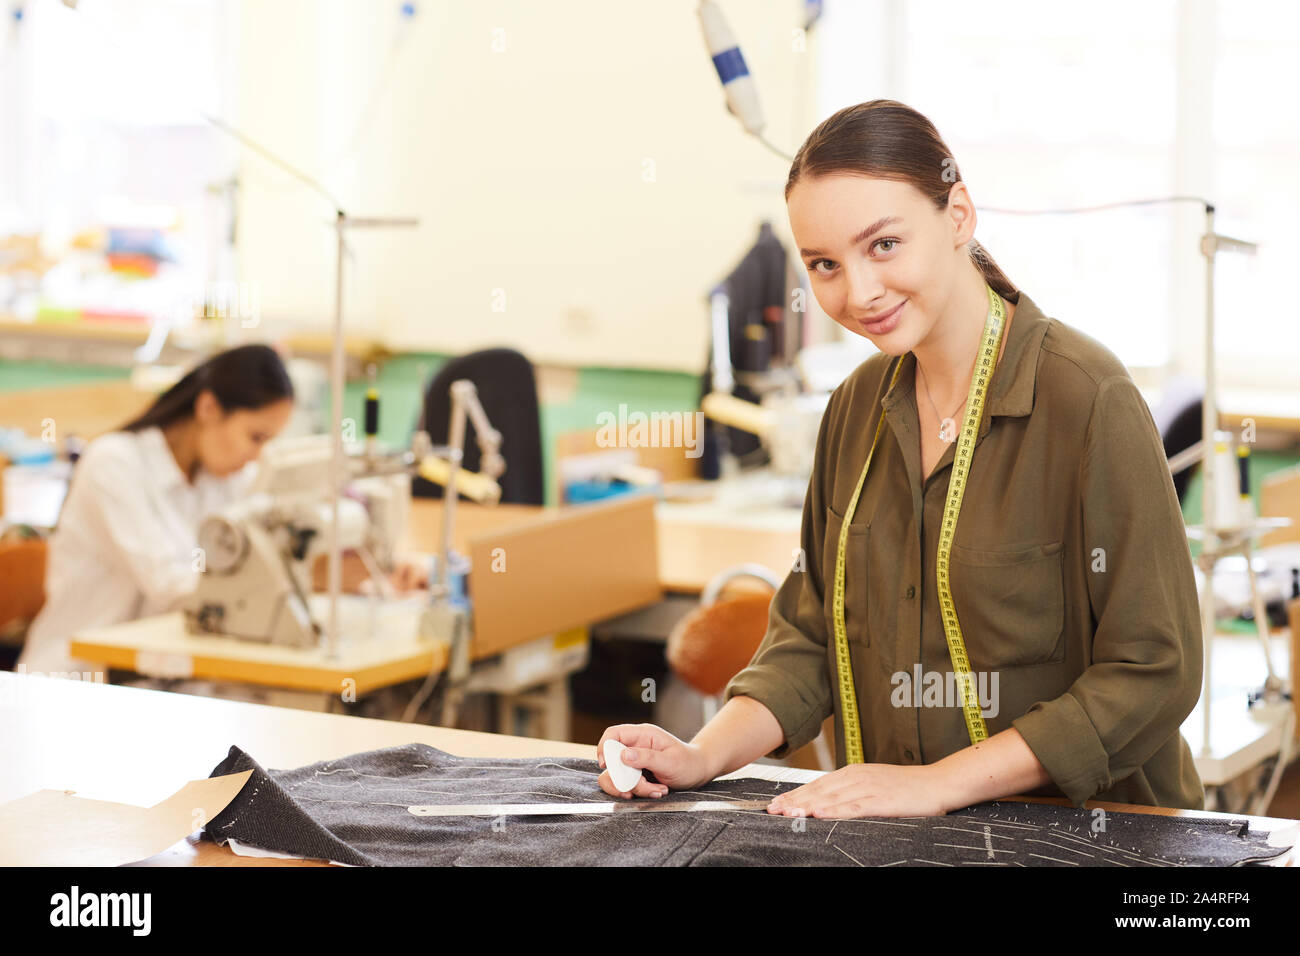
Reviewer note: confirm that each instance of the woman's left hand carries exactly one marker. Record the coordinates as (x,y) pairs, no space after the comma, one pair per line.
(868,790)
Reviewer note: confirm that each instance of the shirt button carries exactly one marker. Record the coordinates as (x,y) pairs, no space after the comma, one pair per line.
(907,754)
(911,592)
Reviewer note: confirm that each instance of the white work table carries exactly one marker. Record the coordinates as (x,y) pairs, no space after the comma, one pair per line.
(138,746)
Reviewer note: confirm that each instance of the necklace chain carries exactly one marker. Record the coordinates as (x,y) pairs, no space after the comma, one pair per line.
(947,427)
(945,431)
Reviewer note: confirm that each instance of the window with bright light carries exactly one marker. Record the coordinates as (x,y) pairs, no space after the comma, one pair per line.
(1257,156)
(113,165)
(1046,109)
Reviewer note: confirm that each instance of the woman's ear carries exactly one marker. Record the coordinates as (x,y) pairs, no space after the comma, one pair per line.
(961,214)
(207,410)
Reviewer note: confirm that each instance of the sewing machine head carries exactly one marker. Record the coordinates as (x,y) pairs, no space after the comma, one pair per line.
(257,554)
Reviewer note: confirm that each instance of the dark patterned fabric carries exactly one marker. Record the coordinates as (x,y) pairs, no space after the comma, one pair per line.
(354,810)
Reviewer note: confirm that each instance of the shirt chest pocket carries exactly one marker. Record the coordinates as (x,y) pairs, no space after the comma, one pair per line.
(1011,604)
(869,614)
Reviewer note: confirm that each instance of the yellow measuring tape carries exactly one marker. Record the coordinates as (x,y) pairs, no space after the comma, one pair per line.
(985,361)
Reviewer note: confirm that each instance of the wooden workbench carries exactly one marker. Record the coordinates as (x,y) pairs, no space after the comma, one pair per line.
(567,568)
(140,746)
(691,551)
(161,647)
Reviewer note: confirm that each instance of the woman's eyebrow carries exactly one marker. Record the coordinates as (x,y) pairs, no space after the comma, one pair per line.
(867,233)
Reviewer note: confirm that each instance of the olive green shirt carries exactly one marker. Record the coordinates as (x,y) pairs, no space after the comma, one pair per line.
(1070,573)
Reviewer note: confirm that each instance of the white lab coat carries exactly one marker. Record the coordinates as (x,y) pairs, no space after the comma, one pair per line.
(126,541)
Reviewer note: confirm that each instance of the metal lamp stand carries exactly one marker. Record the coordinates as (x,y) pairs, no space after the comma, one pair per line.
(1223,535)
(342,223)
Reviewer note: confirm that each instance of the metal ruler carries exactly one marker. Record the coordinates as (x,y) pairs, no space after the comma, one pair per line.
(567,809)
(985,361)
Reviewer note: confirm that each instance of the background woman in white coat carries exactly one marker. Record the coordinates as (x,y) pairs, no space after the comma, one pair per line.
(123,548)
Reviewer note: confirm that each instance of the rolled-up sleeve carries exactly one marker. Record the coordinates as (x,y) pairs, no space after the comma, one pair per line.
(788,672)
(1144,670)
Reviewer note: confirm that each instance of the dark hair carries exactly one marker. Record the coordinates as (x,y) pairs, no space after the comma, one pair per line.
(886,139)
(250,376)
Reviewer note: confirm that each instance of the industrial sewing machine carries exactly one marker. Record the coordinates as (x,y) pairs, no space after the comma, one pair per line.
(257,554)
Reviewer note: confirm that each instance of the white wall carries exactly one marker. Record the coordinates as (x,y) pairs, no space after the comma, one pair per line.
(588,171)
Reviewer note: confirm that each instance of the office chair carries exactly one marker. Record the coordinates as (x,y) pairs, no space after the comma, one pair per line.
(1178,418)
(507,390)
(22,569)
(717,640)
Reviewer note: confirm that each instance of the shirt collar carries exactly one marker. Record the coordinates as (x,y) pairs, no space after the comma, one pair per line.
(161,461)
(1013,388)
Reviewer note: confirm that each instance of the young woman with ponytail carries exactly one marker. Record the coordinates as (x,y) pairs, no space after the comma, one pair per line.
(124,545)
(1066,569)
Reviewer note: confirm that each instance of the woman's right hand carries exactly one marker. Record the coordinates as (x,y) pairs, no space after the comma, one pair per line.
(675,764)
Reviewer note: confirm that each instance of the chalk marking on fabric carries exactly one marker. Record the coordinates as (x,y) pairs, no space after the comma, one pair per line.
(849,855)
(996,836)
(1149,860)
(448,793)
(1090,843)
(963,846)
(1054,859)
(933,862)
(828,835)
(870,820)
(1059,847)
(356,773)
(363,803)
(344,786)
(552,763)
(619,808)
(1158,861)
(715,793)
(1014,826)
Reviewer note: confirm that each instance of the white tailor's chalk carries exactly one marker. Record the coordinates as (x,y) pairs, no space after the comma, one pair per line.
(624,778)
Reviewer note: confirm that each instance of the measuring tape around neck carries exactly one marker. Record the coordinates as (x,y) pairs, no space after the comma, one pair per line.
(985,361)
